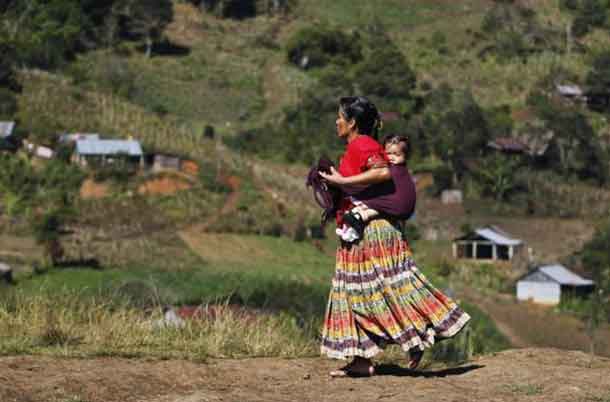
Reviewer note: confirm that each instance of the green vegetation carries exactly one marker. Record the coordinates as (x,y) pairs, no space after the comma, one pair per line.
(263,77)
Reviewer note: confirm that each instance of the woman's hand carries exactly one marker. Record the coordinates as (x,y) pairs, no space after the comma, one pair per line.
(333,177)
(371,176)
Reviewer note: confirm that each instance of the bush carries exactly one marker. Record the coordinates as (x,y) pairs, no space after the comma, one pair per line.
(318,46)
(241,9)
(8,104)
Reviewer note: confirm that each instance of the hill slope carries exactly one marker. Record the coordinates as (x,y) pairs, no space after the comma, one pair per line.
(514,375)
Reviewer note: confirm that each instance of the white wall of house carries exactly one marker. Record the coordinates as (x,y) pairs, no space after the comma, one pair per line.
(539,292)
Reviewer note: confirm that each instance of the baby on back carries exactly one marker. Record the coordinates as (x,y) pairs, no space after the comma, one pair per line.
(394,199)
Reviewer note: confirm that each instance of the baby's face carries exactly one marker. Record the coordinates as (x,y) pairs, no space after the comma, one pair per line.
(395,154)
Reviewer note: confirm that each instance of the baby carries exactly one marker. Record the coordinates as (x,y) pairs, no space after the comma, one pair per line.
(396,201)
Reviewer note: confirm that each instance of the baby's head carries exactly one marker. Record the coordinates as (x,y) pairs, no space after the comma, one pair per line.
(397,148)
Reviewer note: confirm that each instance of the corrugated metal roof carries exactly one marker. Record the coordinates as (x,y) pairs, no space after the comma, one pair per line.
(570,90)
(564,276)
(6,128)
(497,236)
(78,136)
(108,147)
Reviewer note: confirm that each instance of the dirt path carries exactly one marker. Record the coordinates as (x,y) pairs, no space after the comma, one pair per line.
(516,340)
(191,234)
(515,375)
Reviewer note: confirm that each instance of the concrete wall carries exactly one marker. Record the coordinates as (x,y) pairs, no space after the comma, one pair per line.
(539,292)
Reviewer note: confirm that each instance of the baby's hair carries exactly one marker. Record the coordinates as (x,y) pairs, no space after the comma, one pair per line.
(394,139)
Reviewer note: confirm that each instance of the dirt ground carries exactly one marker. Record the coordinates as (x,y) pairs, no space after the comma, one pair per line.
(514,375)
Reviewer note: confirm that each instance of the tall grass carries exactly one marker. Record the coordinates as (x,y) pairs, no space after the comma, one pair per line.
(69,325)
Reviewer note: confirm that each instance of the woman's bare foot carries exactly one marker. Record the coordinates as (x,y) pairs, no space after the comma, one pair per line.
(359,367)
(415,357)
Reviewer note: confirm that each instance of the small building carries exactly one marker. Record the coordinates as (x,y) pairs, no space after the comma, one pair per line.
(452,197)
(548,284)
(487,243)
(94,153)
(38,151)
(6,129)
(73,137)
(571,92)
(165,162)
(7,138)
(508,145)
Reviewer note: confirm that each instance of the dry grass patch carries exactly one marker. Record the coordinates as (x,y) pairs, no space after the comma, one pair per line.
(69,325)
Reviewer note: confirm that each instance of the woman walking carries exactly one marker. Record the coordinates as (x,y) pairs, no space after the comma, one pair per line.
(378,295)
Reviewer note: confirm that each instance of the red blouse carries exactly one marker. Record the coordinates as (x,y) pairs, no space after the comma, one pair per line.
(362,154)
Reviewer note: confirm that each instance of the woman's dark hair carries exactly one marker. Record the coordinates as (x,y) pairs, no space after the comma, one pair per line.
(364,113)
(394,139)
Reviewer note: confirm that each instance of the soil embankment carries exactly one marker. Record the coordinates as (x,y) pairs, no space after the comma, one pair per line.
(514,375)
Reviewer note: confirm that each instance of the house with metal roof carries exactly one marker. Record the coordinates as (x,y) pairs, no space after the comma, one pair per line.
(6,128)
(93,153)
(73,137)
(487,243)
(548,284)
(7,140)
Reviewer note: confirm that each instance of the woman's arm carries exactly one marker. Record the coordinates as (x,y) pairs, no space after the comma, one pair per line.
(371,176)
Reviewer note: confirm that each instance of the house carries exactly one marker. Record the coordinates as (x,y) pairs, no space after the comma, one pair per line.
(165,162)
(7,139)
(92,153)
(508,145)
(548,284)
(70,138)
(571,92)
(38,151)
(487,243)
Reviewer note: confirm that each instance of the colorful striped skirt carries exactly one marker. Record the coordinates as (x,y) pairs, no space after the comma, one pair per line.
(379,296)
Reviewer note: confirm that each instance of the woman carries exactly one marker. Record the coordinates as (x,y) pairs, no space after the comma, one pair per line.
(378,295)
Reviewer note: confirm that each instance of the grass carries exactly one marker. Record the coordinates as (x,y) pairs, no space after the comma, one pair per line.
(88,312)
(69,325)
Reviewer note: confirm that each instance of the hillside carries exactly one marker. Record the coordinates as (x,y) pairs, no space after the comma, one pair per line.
(513,375)
(101,252)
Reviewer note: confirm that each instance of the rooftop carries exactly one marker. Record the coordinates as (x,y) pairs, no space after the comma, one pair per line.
(494,235)
(108,147)
(562,275)
(6,128)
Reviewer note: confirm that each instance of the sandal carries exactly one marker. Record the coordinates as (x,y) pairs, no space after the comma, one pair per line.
(353,370)
(415,357)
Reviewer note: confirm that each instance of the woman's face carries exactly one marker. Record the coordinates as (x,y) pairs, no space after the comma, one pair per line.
(344,126)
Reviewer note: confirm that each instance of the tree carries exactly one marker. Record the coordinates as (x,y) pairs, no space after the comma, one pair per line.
(497,174)
(52,32)
(146,19)
(574,148)
(590,14)
(596,260)
(598,79)
(47,231)
(456,128)
(318,46)
(385,73)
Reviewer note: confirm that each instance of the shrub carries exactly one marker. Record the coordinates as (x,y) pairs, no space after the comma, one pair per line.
(8,104)
(318,46)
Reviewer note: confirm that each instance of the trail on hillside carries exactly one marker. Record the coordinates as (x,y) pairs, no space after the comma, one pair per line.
(516,340)
(531,325)
(514,375)
(191,234)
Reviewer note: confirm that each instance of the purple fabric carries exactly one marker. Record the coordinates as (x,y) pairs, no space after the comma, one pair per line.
(328,197)
(395,198)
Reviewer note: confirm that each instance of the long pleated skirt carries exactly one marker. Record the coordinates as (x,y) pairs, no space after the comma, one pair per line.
(378,297)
